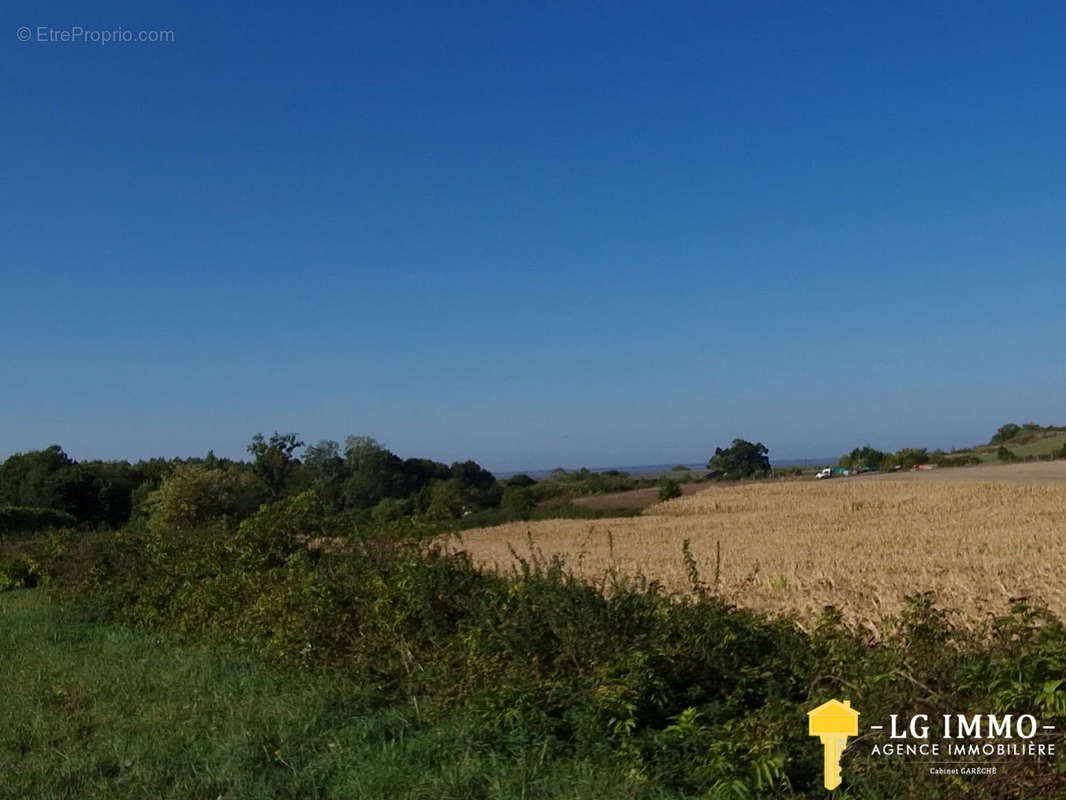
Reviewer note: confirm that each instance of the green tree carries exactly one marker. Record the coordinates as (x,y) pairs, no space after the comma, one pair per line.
(326,471)
(864,457)
(521,480)
(193,495)
(36,479)
(374,474)
(912,456)
(742,459)
(273,460)
(518,500)
(391,509)
(1006,433)
(481,488)
(323,459)
(358,447)
(449,499)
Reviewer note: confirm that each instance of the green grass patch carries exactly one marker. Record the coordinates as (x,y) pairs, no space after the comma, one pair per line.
(534,683)
(1029,443)
(102,711)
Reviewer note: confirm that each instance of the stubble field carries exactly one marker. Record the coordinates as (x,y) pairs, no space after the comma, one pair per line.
(859,545)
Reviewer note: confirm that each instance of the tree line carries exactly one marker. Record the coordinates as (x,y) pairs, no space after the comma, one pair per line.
(362,477)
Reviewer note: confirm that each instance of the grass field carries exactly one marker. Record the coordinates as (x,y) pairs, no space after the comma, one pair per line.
(858,544)
(98,711)
(1027,443)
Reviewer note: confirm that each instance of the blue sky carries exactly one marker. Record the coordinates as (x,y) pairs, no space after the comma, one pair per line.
(533,235)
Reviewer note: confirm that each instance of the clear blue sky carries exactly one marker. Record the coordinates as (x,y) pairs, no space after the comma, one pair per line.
(533,235)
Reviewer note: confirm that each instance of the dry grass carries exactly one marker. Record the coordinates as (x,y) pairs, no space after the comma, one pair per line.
(635,498)
(855,544)
(1037,472)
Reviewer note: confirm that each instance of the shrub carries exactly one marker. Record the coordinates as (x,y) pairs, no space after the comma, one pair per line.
(681,693)
(958,461)
(518,501)
(669,489)
(194,495)
(276,531)
(19,519)
(391,509)
(17,571)
(1005,455)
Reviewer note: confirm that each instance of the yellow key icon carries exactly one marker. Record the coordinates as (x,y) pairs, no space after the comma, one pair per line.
(833,722)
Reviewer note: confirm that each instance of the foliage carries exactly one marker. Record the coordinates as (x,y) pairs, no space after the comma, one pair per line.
(865,457)
(273,460)
(957,461)
(1005,433)
(193,495)
(1005,455)
(669,489)
(680,694)
(18,519)
(521,481)
(518,501)
(910,457)
(96,493)
(143,714)
(18,570)
(741,460)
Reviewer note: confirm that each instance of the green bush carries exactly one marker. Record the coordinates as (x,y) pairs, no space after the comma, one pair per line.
(682,693)
(518,501)
(958,461)
(17,571)
(193,495)
(669,489)
(19,519)
(1006,456)
(391,509)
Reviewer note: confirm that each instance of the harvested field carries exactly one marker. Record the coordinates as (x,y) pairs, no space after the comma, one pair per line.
(1037,472)
(857,544)
(635,498)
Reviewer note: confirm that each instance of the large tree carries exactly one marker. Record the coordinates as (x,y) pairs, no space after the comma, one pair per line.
(864,457)
(193,495)
(1006,433)
(273,459)
(741,460)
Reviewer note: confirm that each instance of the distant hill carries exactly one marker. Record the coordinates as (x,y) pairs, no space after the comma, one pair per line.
(1029,440)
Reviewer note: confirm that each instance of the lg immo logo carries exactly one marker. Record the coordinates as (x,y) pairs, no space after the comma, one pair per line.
(833,722)
(951,744)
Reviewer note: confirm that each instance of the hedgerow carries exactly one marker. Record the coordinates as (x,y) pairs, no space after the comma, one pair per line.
(686,693)
(20,519)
